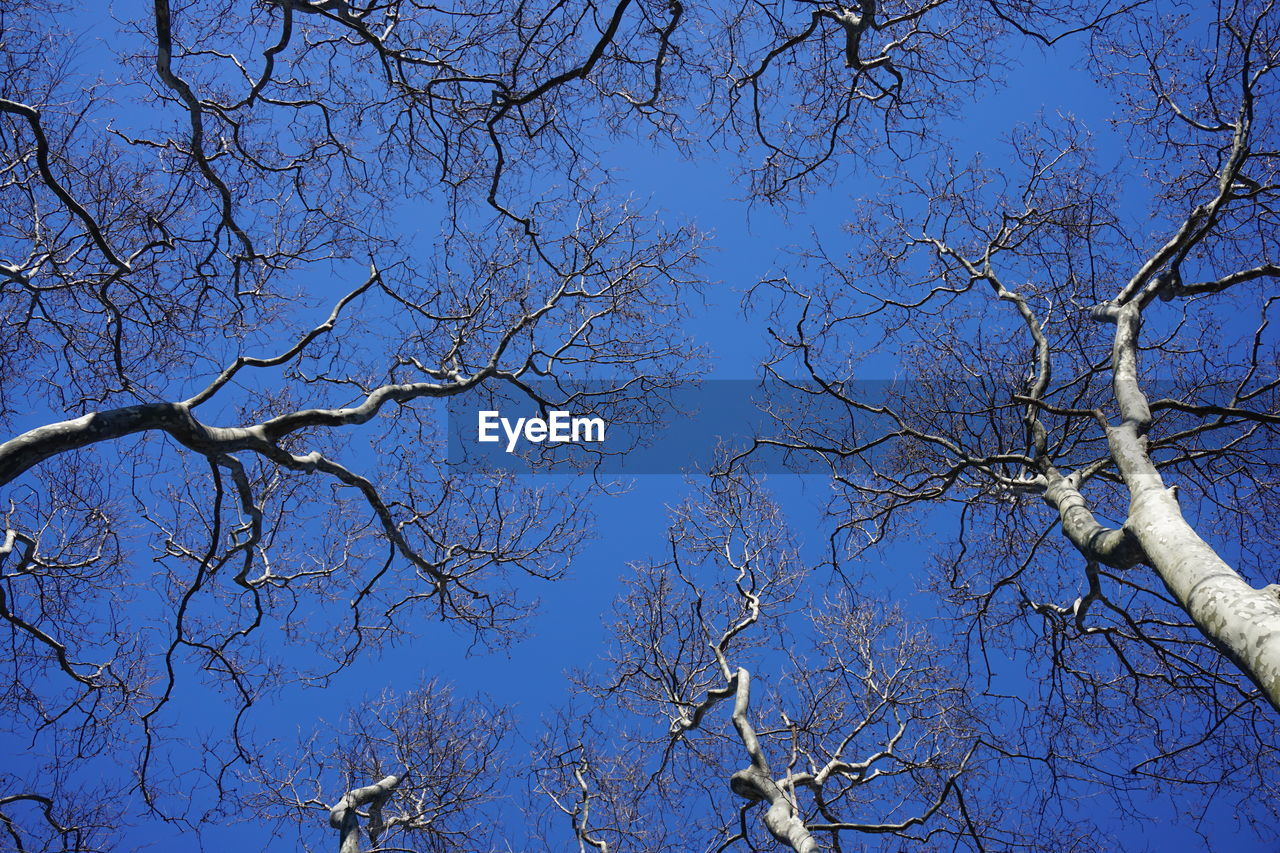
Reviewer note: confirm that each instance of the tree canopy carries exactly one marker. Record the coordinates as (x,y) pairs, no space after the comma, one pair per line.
(250,252)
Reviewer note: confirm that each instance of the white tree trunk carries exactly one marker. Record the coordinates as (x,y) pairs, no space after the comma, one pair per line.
(1242,621)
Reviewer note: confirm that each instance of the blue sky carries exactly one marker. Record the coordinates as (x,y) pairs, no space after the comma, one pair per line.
(745,246)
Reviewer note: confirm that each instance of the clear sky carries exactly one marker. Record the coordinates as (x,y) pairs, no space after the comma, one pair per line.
(746,243)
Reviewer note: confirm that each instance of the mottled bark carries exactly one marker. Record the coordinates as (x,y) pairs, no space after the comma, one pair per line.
(756,782)
(345,817)
(1115,547)
(1242,621)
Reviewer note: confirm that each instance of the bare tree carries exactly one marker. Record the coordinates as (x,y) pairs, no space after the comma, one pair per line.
(423,771)
(1089,409)
(247,254)
(231,245)
(731,709)
(812,92)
